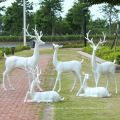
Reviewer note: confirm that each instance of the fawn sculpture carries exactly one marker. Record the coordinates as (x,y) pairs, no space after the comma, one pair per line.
(103,68)
(19,62)
(47,96)
(69,66)
(93,91)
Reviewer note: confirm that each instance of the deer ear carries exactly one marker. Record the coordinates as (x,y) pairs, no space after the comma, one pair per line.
(99,47)
(35,40)
(91,46)
(83,73)
(61,46)
(53,44)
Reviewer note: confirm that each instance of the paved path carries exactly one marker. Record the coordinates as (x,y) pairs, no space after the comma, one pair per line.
(12,106)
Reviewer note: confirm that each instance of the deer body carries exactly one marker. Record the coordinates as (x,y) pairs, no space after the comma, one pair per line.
(18,62)
(103,68)
(93,91)
(47,96)
(69,66)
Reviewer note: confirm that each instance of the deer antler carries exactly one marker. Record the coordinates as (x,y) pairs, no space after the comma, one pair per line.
(91,41)
(41,34)
(31,36)
(101,42)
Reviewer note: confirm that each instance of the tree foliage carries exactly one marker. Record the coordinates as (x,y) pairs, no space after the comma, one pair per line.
(13,19)
(75,17)
(92,2)
(50,10)
(110,14)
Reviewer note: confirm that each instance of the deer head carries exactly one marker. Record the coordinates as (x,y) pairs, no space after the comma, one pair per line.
(92,45)
(56,46)
(87,75)
(37,37)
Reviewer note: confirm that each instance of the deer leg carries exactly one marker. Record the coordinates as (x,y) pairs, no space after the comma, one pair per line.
(56,82)
(113,74)
(31,101)
(108,80)
(4,74)
(10,81)
(39,87)
(79,78)
(75,77)
(95,76)
(59,82)
(97,80)
(26,96)
(29,80)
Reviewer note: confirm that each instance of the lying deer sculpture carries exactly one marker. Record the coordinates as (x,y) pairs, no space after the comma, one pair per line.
(47,96)
(69,66)
(103,68)
(93,91)
(18,62)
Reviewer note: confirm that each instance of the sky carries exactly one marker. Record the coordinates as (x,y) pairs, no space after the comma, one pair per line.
(66,6)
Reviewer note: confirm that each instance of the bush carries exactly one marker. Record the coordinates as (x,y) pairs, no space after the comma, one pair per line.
(6,50)
(9,51)
(55,38)
(21,47)
(1,54)
(13,39)
(105,53)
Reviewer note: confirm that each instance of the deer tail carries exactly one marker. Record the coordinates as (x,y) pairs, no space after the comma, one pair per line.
(82,60)
(5,56)
(114,61)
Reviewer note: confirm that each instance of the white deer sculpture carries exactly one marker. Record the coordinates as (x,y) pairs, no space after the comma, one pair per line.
(18,62)
(69,66)
(47,96)
(93,91)
(103,68)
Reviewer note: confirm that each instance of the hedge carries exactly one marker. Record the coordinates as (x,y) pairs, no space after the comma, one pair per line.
(55,38)
(105,53)
(9,51)
(1,53)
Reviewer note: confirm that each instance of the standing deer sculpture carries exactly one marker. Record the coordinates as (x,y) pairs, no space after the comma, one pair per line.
(69,66)
(18,62)
(103,68)
(93,91)
(47,96)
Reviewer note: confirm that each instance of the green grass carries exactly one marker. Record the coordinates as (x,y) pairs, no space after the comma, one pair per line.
(74,107)
(82,108)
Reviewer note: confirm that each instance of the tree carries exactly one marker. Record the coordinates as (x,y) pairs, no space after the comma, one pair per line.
(13,18)
(75,17)
(97,26)
(110,14)
(92,2)
(51,9)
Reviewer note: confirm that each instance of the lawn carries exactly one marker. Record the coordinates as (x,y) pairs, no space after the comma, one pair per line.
(82,108)
(75,107)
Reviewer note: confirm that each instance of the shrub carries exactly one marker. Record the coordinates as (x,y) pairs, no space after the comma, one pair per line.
(21,47)
(6,50)
(105,53)
(55,38)
(9,51)
(1,54)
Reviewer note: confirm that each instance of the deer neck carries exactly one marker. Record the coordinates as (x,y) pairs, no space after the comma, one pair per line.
(36,53)
(85,84)
(55,60)
(93,62)
(32,89)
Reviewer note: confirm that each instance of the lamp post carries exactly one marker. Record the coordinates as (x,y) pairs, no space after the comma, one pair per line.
(85,14)
(24,21)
